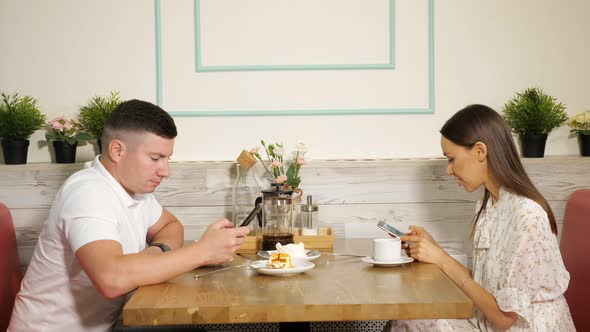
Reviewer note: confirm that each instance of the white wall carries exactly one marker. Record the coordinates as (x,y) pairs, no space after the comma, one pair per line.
(64,51)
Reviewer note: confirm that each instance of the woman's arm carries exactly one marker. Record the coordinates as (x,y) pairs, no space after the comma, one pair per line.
(426,250)
(484,301)
(423,234)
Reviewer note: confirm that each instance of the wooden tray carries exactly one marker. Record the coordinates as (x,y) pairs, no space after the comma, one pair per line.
(324,241)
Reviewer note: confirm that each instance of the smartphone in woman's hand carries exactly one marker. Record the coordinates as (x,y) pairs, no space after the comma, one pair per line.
(390,229)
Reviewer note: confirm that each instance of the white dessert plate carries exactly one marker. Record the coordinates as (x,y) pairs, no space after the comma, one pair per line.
(402,260)
(310,255)
(301,265)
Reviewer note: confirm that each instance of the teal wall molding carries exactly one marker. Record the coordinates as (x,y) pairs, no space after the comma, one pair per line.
(203,68)
(293,112)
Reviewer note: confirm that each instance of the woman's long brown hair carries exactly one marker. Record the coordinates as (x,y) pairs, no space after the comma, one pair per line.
(480,123)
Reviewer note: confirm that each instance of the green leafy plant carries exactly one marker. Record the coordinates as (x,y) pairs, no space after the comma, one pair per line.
(276,153)
(534,112)
(62,129)
(580,124)
(20,117)
(94,114)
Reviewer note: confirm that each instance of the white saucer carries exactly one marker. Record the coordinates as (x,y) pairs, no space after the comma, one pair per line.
(310,254)
(301,265)
(402,260)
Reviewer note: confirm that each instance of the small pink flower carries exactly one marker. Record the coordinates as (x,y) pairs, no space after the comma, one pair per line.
(254,150)
(60,123)
(281,179)
(58,126)
(276,163)
(301,161)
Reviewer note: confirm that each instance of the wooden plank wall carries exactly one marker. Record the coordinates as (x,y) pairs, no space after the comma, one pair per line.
(351,194)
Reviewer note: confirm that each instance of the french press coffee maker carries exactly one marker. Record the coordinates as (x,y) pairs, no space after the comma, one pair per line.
(277,217)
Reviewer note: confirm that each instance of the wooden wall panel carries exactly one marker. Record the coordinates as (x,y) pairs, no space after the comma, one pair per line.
(350,193)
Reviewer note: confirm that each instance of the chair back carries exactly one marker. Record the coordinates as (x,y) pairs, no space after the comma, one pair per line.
(574,248)
(10,272)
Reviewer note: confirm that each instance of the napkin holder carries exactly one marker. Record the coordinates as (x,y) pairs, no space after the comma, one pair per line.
(323,241)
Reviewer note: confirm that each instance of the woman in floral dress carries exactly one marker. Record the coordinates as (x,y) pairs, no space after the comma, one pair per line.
(518,276)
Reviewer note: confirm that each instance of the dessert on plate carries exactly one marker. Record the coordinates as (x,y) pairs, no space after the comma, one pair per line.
(279,260)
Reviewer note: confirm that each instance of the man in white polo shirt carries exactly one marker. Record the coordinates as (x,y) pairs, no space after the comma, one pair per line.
(106,234)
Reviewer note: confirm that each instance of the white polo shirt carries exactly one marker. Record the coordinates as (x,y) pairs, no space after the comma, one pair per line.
(56,294)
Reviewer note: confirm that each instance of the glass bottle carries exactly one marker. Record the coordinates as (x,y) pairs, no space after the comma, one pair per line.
(245,191)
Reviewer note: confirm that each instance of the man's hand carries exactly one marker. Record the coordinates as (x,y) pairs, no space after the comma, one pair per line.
(220,241)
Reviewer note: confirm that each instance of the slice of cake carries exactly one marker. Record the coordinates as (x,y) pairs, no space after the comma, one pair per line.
(279,260)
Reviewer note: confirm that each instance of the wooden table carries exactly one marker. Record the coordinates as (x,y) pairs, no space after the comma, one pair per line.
(338,288)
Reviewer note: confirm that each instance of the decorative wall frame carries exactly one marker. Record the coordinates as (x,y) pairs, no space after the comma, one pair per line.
(205,70)
(236,33)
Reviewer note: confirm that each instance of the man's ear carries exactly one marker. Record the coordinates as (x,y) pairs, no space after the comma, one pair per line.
(116,150)
(481,151)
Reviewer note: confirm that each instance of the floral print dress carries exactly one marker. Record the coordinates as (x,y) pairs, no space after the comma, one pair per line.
(516,258)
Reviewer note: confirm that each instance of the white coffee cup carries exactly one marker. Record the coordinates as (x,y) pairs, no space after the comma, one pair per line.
(387,250)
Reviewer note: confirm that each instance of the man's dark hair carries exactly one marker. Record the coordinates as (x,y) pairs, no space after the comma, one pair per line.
(138,116)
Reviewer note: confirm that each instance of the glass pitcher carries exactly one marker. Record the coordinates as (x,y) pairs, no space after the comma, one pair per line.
(277,217)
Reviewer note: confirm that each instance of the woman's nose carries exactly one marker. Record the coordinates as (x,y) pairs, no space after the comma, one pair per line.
(449,170)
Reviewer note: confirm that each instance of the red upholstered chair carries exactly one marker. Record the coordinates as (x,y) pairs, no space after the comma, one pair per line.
(10,273)
(575,247)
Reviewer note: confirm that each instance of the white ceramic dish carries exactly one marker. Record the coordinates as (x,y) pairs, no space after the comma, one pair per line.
(301,265)
(310,254)
(402,260)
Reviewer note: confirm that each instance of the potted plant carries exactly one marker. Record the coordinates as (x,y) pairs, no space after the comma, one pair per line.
(65,134)
(532,115)
(580,126)
(94,114)
(19,119)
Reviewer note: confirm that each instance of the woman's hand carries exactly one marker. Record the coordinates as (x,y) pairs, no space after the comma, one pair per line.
(417,231)
(420,232)
(420,245)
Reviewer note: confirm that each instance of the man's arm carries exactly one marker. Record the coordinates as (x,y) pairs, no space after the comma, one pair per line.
(114,273)
(167,230)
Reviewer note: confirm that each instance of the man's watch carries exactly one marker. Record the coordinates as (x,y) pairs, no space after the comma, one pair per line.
(162,246)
